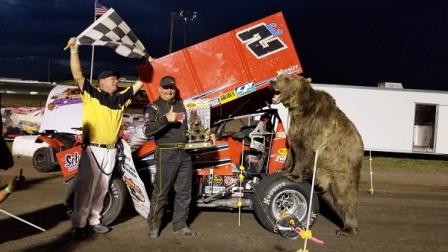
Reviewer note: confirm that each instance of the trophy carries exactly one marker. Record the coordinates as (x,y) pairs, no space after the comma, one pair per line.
(198,121)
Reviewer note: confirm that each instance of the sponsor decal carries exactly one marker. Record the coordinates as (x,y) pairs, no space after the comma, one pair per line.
(216,189)
(288,70)
(134,189)
(67,97)
(228,180)
(190,105)
(72,161)
(215,102)
(280,156)
(217,180)
(262,39)
(130,170)
(282,151)
(280,159)
(246,89)
(227,97)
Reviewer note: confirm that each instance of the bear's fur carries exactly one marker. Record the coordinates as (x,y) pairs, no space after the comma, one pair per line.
(318,124)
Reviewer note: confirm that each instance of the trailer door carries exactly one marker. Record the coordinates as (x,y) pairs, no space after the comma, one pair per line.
(442,130)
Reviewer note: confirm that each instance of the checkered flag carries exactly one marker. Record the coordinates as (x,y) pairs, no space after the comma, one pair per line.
(111,31)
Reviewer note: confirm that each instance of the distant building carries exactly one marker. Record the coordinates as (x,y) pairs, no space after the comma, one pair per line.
(390,85)
(28,87)
(18,92)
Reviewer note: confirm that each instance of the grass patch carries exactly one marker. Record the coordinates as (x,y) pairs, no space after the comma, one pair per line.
(408,163)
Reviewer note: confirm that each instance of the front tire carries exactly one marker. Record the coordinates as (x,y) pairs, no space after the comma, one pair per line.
(114,201)
(277,197)
(43,159)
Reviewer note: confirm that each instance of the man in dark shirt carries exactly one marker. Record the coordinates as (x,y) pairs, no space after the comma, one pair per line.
(166,121)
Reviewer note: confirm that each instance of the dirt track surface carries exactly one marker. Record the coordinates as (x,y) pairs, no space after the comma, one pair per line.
(408,212)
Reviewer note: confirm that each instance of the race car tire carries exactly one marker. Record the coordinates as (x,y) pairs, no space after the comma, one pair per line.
(277,195)
(114,201)
(43,160)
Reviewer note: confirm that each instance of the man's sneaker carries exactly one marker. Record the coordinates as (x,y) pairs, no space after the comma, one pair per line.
(153,233)
(186,231)
(78,233)
(100,228)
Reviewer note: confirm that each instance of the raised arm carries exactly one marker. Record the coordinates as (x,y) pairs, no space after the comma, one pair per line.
(139,84)
(75,64)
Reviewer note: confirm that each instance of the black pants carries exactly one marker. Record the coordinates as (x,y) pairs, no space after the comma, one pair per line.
(173,168)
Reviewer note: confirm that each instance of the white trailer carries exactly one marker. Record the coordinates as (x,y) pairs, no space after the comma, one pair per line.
(393,120)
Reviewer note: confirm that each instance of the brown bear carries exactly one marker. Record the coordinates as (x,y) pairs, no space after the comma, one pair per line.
(318,124)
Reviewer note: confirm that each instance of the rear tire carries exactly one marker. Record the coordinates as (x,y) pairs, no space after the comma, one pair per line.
(277,195)
(114,201)
(43,159)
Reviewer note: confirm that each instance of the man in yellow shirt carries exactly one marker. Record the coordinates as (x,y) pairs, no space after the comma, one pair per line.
(101,120)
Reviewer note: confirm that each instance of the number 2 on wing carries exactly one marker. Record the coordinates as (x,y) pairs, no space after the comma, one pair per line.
(262,40)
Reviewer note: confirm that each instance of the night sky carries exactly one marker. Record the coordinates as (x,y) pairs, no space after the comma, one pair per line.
(352,42)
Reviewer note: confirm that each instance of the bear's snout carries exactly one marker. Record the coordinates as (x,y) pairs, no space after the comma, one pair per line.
(272,84)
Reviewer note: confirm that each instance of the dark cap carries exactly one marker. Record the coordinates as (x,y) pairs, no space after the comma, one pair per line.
(108,73)
(167,81)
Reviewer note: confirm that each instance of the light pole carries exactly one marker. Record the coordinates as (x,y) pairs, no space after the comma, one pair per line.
(174,15)
(187,16)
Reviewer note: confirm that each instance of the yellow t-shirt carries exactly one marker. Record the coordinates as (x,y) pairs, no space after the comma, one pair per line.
(102,113)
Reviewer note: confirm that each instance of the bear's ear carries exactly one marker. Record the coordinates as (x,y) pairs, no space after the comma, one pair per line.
(308,80)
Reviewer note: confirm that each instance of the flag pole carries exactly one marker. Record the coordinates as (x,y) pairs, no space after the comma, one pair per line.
(93,47)
(22,220)
(91,63)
